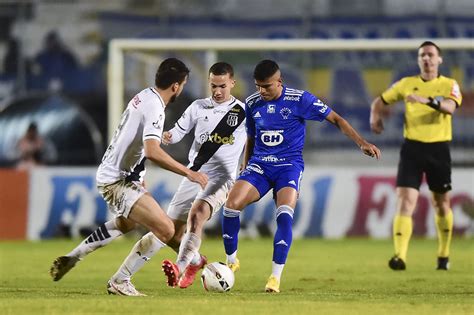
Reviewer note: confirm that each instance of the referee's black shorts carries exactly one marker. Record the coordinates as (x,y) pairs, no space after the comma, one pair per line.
(432,159)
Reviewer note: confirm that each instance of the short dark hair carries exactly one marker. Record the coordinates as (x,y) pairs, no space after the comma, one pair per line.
(170,71)
(430,43)
(265,69)
(222,68)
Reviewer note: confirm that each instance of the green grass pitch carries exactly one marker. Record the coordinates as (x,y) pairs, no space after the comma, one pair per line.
(321,277)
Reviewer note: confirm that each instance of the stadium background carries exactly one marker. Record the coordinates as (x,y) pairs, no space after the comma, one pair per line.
(343,194)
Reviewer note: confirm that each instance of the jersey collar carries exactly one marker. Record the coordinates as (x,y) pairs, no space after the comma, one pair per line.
(159,96)
(227,103)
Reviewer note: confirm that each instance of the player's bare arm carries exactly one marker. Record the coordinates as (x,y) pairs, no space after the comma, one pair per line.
(366,147)
(156,154)
(247,152)
(446,106)
(376,115)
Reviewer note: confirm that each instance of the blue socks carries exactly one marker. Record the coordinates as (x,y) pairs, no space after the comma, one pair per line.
(230,230)
(283,234)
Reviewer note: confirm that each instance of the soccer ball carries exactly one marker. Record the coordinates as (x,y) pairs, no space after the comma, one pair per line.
(217,277)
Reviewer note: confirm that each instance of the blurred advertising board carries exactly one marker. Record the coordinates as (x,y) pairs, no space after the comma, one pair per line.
(334,203)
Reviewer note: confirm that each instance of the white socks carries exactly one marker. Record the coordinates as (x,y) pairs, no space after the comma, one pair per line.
(231,258)
(188,250)
(277,269)
(104,234)
(141,252)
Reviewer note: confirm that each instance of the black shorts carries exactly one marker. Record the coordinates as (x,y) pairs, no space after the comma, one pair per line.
(432,159)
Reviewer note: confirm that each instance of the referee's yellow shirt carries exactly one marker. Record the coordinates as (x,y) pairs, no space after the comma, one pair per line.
(423,123)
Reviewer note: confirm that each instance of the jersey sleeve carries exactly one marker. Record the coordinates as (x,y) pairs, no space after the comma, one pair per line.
(312,108)
(455,93)
(184,125)
(249,121)
(153,116)
(392,94)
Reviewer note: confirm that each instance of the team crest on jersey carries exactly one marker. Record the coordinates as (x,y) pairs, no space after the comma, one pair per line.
(233,119)
(285,112)
(271,108)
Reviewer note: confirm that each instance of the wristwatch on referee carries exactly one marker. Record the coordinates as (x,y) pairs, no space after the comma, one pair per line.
(434,103)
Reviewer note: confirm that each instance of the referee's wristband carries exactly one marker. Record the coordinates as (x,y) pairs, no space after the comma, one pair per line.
(434,103)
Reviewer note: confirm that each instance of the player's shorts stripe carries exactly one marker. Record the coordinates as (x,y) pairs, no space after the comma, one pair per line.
(104,231)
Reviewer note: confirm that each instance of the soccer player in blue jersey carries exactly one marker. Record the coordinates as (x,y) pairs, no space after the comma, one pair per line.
(275,118)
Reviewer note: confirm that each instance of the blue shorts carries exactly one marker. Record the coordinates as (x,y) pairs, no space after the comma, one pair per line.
(265,176)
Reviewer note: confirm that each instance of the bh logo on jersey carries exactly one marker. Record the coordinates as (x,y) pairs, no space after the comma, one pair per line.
(272,138)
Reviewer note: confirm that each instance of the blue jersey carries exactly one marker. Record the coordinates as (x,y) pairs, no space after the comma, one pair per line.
(278,126)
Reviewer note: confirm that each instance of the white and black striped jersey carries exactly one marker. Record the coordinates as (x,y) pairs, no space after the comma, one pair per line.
(219,135)
(125,157)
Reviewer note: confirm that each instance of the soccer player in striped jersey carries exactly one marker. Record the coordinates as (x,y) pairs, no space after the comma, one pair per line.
(219,138)
(119,176)
(430,101)
(276,117)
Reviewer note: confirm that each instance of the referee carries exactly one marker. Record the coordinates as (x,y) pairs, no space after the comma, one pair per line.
(430,100)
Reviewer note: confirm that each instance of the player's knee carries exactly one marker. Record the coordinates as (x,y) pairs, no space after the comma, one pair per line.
(164,230)
(233,204)
(124,225)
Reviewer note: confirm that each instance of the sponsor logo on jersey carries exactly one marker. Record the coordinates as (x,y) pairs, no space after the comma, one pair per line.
(285,112)
(292,182)
(271,108)
(219,111)
(323,107)
(272,138)
(271,158)
(235,110)
(203,137)
(257,115)
(157,124)
(233,119)
(291,98)
(254,167)
(216,138)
